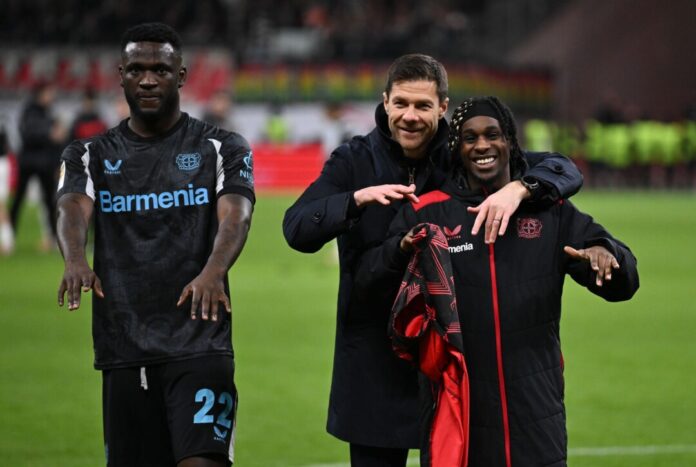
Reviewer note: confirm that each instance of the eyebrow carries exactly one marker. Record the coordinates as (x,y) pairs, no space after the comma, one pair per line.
(136,63)
(488,128)
(397,98)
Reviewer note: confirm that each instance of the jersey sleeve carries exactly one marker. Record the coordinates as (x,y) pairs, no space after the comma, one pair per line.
(75,175)
(235,167)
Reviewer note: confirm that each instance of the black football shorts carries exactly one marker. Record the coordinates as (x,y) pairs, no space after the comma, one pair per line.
(158,415)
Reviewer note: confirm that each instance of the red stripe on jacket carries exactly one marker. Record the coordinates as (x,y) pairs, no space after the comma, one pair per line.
(499,354)
(429,198)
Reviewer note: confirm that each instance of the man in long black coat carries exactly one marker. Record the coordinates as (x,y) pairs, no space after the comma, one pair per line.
(374,396)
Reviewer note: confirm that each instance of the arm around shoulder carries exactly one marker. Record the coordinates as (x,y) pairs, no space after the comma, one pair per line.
(557,175)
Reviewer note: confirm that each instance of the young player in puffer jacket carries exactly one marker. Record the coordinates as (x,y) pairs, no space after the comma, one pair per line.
(509,293)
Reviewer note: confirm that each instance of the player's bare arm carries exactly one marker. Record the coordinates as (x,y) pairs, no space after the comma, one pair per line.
(600,259)
(384,194)
(495,211)
(207,290)
(74,213)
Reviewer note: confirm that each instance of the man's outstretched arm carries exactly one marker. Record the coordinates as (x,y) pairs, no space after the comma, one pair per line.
(208,288)
(74,213)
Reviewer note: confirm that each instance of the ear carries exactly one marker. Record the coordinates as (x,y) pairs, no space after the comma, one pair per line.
(443,107)
(183,74)
(120,75)
(385,102)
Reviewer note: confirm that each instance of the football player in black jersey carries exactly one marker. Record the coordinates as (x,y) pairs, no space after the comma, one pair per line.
(172,199)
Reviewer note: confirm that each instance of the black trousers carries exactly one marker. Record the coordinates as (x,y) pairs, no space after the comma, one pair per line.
(47,179)
(370,456)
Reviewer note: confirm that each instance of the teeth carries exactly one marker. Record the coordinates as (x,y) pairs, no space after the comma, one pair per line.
(486,160)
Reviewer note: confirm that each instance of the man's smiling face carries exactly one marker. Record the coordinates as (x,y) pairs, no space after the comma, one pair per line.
(413,111)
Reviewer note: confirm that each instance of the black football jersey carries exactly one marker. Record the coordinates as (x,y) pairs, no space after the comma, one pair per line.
(155,221)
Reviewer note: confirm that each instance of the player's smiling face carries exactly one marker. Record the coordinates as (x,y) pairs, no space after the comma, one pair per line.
(151,75)
(485,153)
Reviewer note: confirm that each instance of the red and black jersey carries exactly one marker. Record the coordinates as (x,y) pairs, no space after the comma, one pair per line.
(509,302)
(425,330)
(155,221)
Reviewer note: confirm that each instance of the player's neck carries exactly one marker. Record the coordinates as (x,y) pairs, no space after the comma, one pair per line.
(488,186)
(147,128)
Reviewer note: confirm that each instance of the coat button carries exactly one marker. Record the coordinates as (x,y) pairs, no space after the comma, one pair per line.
(558,168)
(317,217)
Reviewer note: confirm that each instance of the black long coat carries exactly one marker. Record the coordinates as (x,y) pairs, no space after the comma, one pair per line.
(374,395)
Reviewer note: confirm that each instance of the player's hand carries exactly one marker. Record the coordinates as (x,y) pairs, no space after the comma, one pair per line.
(78,277)
(495,211)
(406,243)
(384,194)
(207,290)
(601,261)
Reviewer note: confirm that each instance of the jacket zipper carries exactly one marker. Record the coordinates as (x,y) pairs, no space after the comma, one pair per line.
(499,354)
(411,175)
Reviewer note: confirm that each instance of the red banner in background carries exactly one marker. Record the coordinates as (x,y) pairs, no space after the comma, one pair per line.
(286,166)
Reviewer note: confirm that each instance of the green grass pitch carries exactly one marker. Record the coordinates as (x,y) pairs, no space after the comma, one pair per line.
(630,367)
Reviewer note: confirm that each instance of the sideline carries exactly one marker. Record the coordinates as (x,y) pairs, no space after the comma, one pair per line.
(584,452)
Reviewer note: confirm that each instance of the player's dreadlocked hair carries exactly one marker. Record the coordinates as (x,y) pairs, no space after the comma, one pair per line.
(152,32)
(502,113)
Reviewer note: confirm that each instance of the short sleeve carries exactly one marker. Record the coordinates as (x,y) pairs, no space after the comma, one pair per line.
(235,167)
(75,176)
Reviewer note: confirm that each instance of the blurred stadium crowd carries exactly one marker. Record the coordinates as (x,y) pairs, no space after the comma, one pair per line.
(639,153)
(295,29)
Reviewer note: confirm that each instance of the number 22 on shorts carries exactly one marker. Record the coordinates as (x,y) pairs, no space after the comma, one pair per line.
(204,415)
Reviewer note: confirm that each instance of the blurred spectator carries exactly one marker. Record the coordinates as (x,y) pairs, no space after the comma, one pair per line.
(336,131)
(42,138)
(611,109)
(6,234)
(277,129)
(87,122)
(218,110)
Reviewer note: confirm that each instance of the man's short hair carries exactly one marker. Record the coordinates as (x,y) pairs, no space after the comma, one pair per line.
(414,67)
(152,32)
